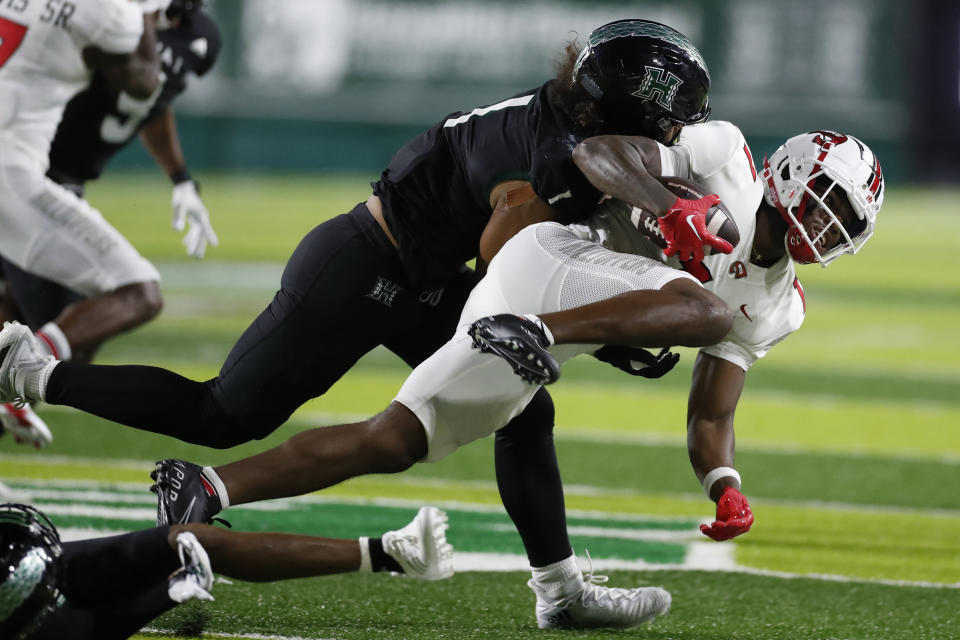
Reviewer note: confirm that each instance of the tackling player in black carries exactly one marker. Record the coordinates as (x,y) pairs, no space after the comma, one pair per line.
(391,272)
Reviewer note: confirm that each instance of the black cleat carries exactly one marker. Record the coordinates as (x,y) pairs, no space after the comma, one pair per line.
(184,494)
(521,342)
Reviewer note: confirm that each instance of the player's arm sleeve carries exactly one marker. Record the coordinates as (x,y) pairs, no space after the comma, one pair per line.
(674,161)
(707,148)
(564,187)
(119,27)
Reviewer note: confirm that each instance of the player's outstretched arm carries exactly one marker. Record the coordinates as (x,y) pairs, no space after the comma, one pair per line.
(160,138)
(418,550)
(714,395)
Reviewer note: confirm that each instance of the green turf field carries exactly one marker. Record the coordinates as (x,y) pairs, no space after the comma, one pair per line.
(847,434)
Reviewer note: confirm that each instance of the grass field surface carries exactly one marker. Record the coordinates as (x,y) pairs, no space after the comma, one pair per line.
(847,441)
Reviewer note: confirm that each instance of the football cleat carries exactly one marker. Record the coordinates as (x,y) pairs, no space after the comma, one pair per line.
(20,356)
(25,425)
(596,606)
(195,578)
(522,342)
(421,547)
(184,493)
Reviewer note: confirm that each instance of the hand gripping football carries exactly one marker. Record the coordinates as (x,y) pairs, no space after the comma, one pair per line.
(719,220)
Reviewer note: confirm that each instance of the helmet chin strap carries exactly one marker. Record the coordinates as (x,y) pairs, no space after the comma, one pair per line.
(795,240)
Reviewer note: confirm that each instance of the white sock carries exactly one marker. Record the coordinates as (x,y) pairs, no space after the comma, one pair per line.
(52,339)
(559,579)
(366,566)
(217,483)
(543,325)
(35,386)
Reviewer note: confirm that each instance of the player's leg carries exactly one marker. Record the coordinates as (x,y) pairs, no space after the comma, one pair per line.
(50,232)
(527,472)
(332,308)
(454,397)
(528,478)
(389,442)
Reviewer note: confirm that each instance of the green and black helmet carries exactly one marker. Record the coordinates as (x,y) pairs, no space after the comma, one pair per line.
(29,576)
(645,77)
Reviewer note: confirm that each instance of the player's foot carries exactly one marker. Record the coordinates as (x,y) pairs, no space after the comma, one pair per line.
(598,606)
(195,578)
(421,547)
(25,425)
(20,356)
(184,493)
(521,341)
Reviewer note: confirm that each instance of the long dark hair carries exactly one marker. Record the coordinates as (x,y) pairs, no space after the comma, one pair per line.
(570,96)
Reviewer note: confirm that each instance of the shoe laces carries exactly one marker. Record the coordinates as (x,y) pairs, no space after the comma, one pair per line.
(594,593)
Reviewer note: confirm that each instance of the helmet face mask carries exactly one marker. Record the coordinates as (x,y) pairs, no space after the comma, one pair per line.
(645,78)
(801,176)
(29,579)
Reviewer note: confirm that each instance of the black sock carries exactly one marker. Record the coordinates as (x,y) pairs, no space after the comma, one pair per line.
(379,560)
(528,478)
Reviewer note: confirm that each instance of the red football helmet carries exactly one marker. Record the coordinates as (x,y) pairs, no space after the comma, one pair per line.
(845,162)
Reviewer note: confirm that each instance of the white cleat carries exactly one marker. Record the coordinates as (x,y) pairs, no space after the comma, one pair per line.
(595,606)
(195,578)
(421,547)
(25,425)
(20,356)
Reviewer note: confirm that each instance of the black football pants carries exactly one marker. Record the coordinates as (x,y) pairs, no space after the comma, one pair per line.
(113,586)
(342,293)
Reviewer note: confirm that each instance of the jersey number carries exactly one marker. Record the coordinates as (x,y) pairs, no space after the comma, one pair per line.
(118,129)
(11,35)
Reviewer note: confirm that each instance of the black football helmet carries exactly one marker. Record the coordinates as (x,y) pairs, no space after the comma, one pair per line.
(29,575)
(183,8)
(645,77)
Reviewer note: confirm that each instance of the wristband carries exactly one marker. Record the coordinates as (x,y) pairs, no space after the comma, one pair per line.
(180,175)
(716,474)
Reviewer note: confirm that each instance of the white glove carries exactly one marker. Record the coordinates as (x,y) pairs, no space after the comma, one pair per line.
(189,208)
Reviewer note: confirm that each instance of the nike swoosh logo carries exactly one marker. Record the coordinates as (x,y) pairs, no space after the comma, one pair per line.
(695,232)
(743,310)
(184,519)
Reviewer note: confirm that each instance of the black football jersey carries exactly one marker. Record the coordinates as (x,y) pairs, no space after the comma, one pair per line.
(99,121)
(436,191)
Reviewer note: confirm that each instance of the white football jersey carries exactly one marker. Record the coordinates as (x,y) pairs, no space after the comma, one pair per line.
(768,303)
(41,61)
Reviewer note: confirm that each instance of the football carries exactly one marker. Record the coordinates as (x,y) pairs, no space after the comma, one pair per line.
(719,220)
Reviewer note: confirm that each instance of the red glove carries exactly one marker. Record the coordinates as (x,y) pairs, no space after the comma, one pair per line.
(684,227)
(733,516)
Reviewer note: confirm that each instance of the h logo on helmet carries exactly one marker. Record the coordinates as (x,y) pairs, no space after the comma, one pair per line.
(658,88)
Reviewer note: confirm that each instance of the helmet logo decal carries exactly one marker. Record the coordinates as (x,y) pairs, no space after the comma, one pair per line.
(658,88)
(21,581)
